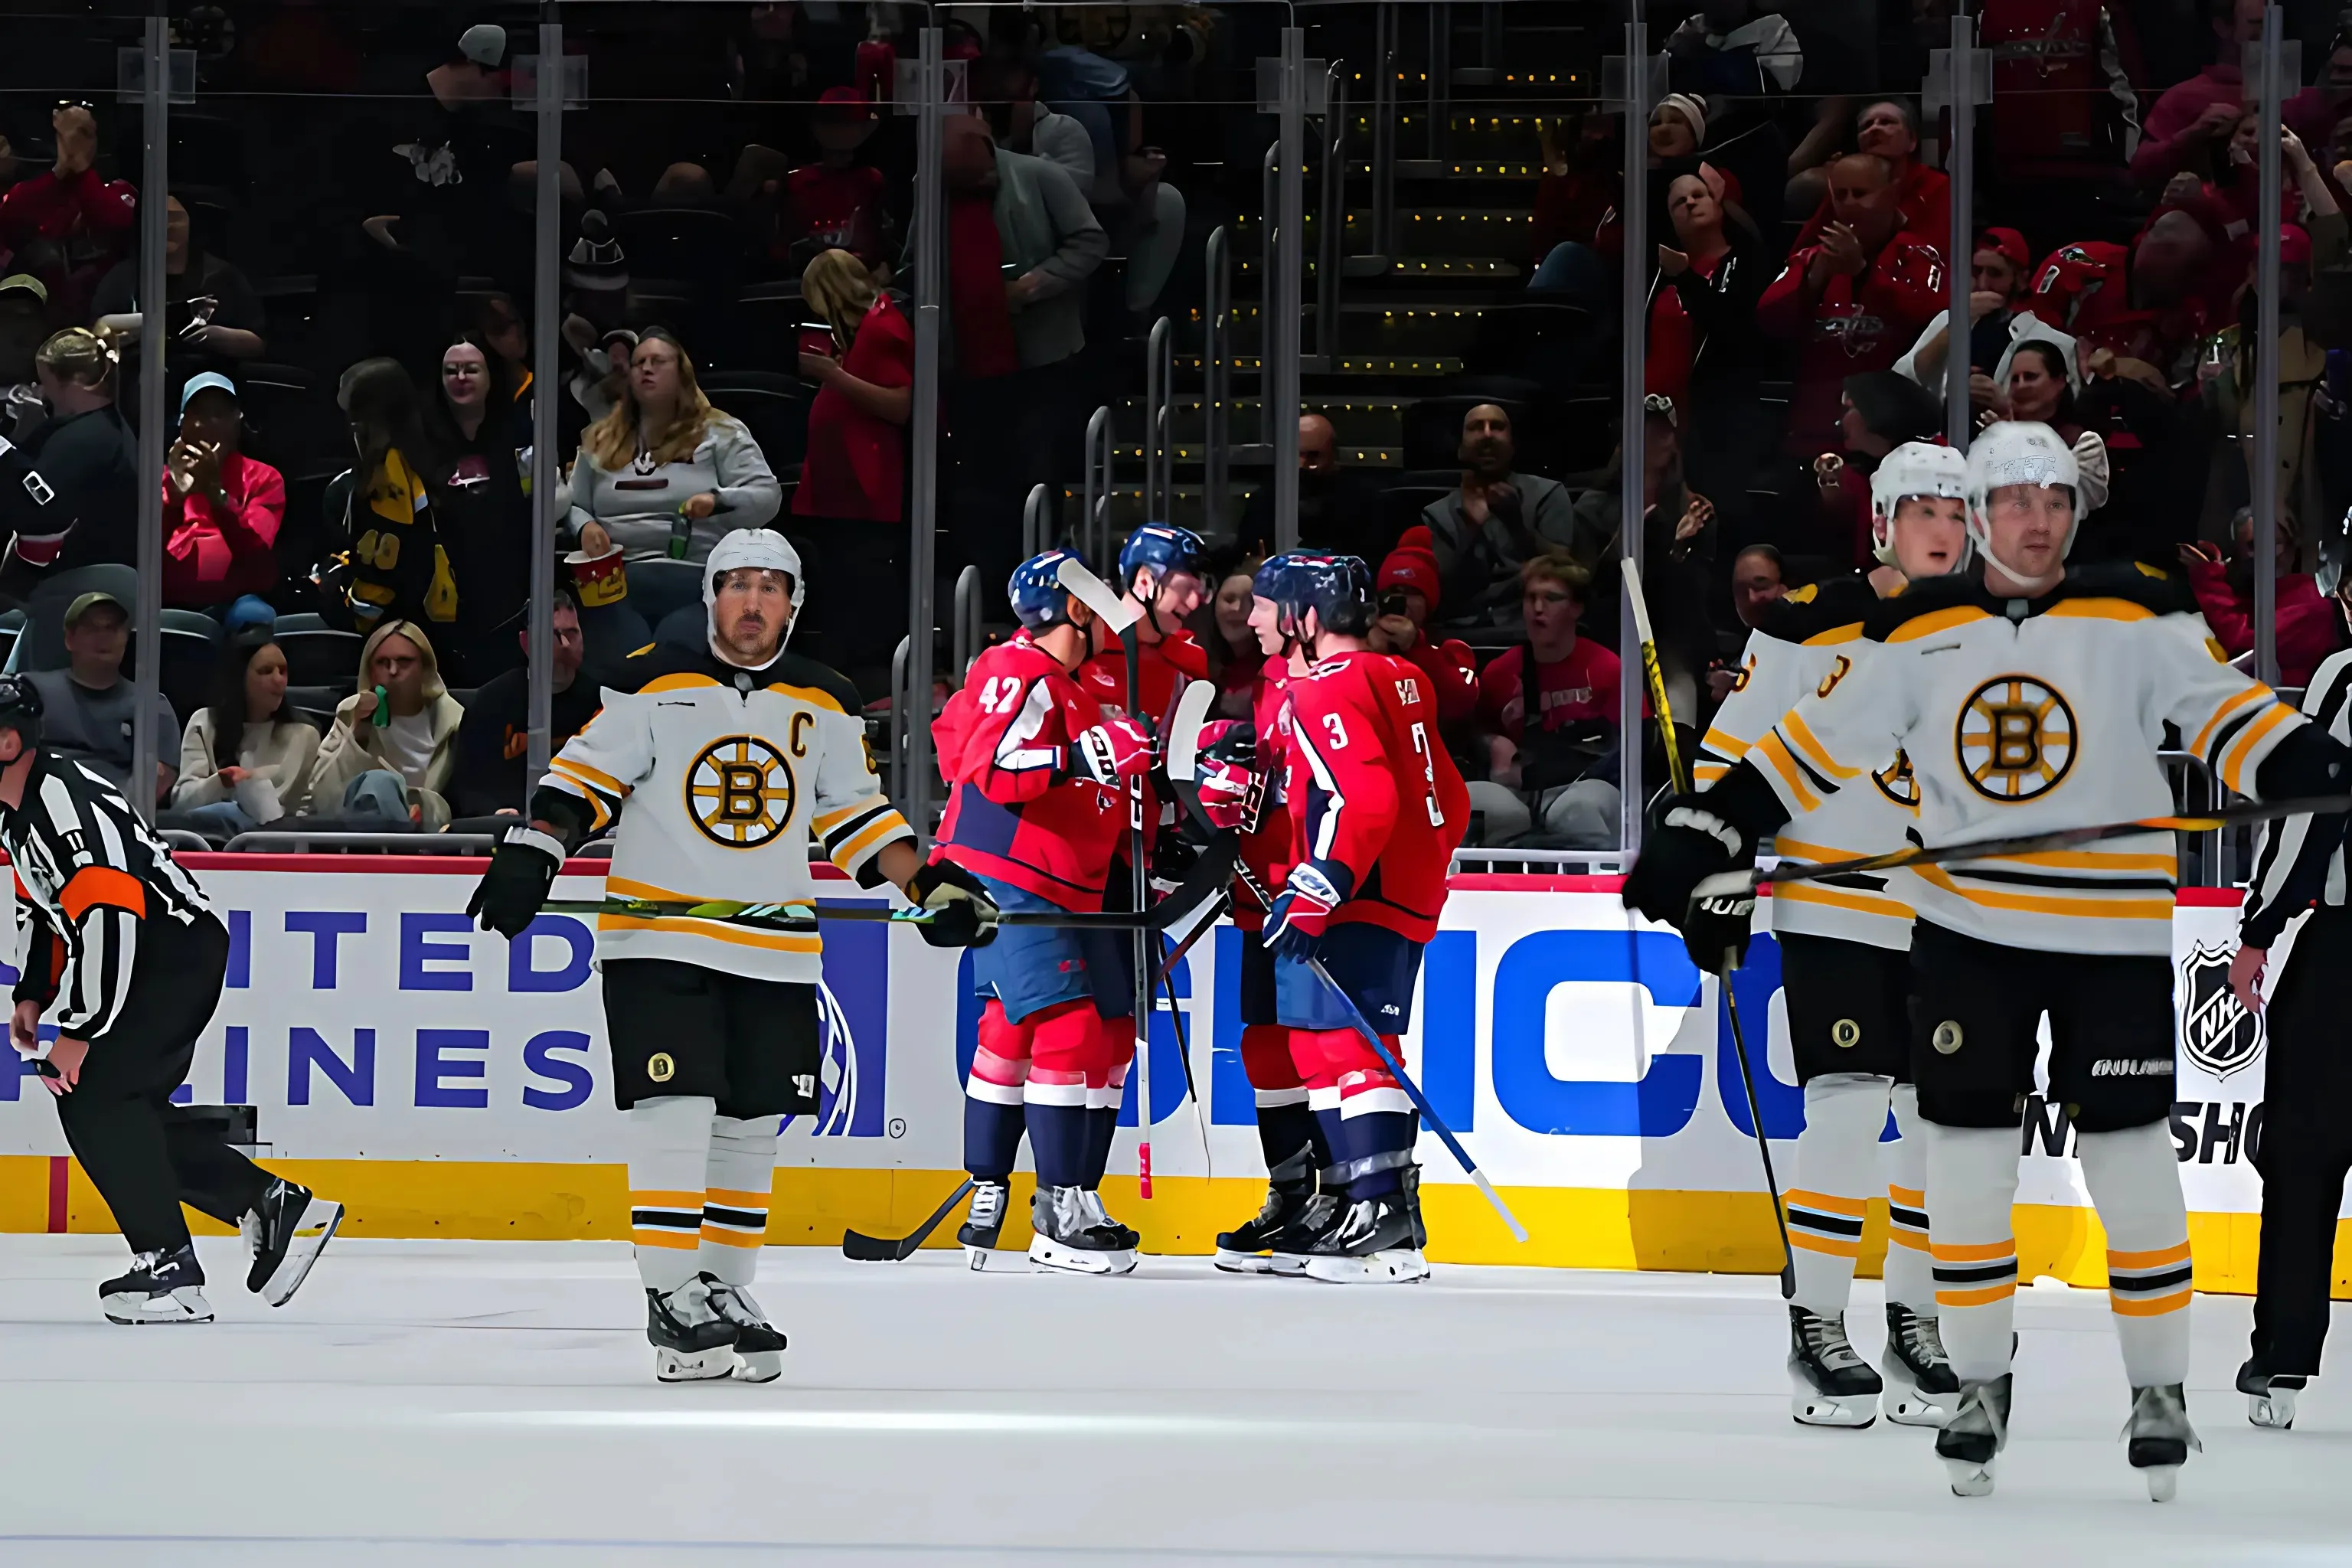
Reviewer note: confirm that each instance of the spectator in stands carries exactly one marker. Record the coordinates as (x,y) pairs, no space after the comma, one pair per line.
(88,461)
(1735,46)
(1885,128)
(23,327)
(1339,508)
(1678,539)
(2192,123)
(394,566)
(2064,115)
(2000,275)
(2309,628)
(1853,301)
(246,758)
(665,473)
(222,510)
(487,777)
(212,313)
(1583,182)
(1704,351)
(1129,190)
(1570,684)
(1758,580)
(479,440)
(1007,89)
(1878,411)
(1497,519)
(1408,593)
(392,746)
(1235,657)
(87,708)
(66,225)
(851,490)
(837,203)
(1021,243)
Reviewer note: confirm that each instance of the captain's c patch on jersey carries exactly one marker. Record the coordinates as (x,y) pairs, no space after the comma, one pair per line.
(740,792)
(2015,737)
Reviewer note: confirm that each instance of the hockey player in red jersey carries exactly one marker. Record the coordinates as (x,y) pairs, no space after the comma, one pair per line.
(1163,577)
(1377,808)
(1038,773)
(1242,788)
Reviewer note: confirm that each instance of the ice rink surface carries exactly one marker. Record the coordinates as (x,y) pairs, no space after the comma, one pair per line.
(437,1403)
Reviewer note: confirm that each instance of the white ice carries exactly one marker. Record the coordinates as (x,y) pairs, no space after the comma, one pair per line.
(436,1404)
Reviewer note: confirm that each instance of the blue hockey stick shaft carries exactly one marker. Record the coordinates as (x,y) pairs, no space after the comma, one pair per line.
(1362,1026)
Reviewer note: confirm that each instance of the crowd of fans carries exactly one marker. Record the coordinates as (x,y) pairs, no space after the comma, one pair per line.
(737,349)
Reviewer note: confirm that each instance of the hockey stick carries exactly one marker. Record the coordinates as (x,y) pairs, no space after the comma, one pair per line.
(1189,792)
(1737,883)
(1681,780)
(864,1249)
(1114,613)
(814,917)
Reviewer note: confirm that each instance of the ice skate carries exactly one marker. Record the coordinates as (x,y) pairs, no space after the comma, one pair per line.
(1975,1436)
(2161,1437)
(1832,1386)
(1921,1387)
(1068,1238)
(692,1343)
(983,1224)
(2270,1395)
(1127,1235)
(1287,1250)
(1372,1245)
(161,1288)
(1248,1247)
(285,1232)
(758,1348)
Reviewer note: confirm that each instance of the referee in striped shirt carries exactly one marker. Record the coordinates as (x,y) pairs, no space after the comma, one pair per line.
(126,958)
(2306,1130)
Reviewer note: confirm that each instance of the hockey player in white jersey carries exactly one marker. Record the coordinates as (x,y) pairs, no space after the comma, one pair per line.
(2029,699)
(724,765)
(1846,946)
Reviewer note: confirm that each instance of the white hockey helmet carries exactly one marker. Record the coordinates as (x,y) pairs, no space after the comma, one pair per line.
(1914,469)
(761,549)
(2015,452)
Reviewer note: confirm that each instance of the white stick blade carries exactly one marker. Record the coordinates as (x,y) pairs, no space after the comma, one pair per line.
(1095,593)
(1640,605)
(1184,729)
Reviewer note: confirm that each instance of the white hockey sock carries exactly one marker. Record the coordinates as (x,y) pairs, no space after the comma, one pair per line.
(1837,1171)
(1972,1170)
(743,1176)
(2135,1182)
(668,1140)
(1908,1279)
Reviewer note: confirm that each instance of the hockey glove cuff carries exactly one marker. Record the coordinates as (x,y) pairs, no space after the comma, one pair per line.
(961,913)
(1114,749)
(1692,844)
(523,868)
(1300,912)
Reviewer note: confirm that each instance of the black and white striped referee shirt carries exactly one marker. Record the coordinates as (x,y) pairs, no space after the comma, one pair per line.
(2300,860)
(89,876)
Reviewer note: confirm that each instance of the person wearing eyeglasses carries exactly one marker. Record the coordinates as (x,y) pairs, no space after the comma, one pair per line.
(68,224)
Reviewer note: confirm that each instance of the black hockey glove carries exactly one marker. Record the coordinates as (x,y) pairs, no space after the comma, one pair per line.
(523,868)
(1691,845)
(963,915)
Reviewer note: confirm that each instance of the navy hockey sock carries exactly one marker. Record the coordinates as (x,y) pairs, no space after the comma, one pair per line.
(1327,1137)
(1102,1126)
(1283,1131)
(992,1138)
(1374,1147)
(1058,1138)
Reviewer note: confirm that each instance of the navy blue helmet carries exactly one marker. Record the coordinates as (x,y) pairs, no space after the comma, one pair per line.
(1039,600)
(1338,588)
(1163,548)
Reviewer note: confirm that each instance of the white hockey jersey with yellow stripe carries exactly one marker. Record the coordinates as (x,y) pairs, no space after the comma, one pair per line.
(2027,716)
(1812,637)
(722,779)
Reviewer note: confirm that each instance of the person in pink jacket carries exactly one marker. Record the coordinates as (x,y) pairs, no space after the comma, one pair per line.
(221,509)
(2309,628)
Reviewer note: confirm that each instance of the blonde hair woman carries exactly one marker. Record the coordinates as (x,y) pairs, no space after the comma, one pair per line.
(88,457)
(393,763)
(851,479)
(663,463)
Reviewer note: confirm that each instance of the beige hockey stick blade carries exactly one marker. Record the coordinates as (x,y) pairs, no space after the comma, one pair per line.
(1184,729)
(1095,593)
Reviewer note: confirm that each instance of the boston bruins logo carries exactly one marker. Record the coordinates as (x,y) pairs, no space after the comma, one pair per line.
(1898,783)
(2016,738)
(740,792)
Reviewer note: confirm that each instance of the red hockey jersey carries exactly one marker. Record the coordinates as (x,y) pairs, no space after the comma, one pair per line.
(1160,673)
(1265,842)
(1014,811)
(1848,325)
(1374,797)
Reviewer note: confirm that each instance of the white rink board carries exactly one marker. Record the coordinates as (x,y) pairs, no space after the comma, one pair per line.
(1571,1046)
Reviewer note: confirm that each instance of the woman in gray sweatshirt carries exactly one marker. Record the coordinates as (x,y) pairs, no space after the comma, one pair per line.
(665,462)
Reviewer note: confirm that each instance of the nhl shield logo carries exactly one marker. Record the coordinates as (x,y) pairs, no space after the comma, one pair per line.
(2216,1030)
